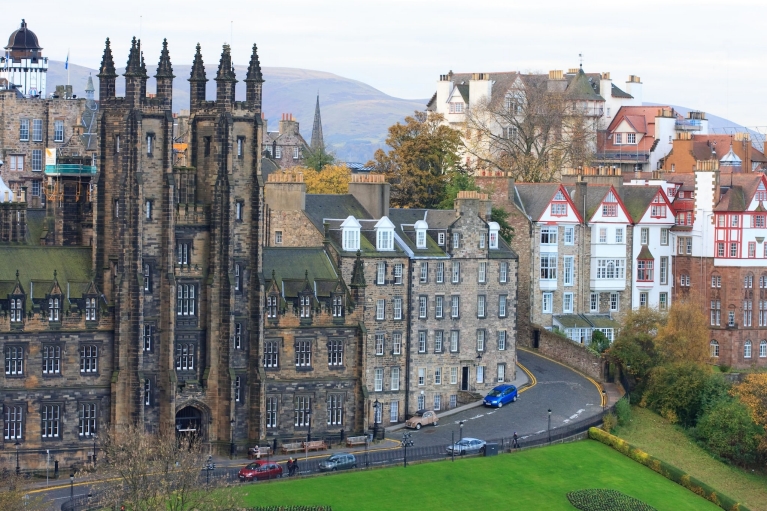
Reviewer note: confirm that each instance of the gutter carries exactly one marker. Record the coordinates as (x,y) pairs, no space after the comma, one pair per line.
(407,338)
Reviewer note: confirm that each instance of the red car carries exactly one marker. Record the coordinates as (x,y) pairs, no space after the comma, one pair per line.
(260,470)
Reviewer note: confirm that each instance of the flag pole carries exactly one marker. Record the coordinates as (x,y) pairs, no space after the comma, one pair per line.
(66,65)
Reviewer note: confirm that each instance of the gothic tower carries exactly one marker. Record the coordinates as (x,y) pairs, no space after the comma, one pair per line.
(318,142)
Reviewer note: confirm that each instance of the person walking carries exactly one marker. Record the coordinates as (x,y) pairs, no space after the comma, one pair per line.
(295,467)
(515,441)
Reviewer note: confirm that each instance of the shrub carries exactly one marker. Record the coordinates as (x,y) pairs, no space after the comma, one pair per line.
(623,412)
(675,391)
(606,500)
(609,422)
(666,470)
(728,431)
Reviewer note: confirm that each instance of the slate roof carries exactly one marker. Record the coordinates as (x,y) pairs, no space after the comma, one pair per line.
(268,166)
(534,198)
(581,88)
(637,199)
(740,191)
(595,194)
(322,206)
(619,93)
(290,266)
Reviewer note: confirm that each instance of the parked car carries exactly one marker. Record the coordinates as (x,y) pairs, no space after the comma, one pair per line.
(260,470)
(501,395)
(338,461)
(467,446)
(422,418)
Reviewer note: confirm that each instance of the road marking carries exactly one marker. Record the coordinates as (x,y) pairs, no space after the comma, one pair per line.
(597,385)
(530,375)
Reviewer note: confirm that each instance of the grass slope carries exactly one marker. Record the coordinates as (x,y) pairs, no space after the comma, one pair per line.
(534,479)
(656,436)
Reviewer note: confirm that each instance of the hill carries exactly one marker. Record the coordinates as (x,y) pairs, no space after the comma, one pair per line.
(355,116)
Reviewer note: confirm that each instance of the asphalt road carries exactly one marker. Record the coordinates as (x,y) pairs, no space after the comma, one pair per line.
(570,396)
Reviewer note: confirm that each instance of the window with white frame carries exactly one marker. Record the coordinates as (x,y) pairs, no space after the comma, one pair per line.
(350,234)
(619,235)
(548,266)
(185,356)
(716,312)
(380,309)
(421,376)
(58,131)
(631,138)
(420,238)
(503,272)
(422,341)
(454,341)
(437,401)
(501,340)
(763,349)
(271,306)
(643,299)
(272,353)
(296,153)
(384,238)
(480,374)
(338,306)
(645,270)
(603,235)
(51,359)
(437,376)
(502,306)
(747,349)
(481,306)
(453,376)
(237,388)
(663,301)
(644,233)
(664,234)
(482,240)
(398,273)
(380,343)
(335,405)
(547,303)
(424,272)
(558,209)
(567,303)
(278,238)
(568,268)
(614,302)
(455,309)
(664,270)
(23,130)
(302,409)
(37,160)
(549,235)
(394,411)
(440,238)
(456,240)
(54,309)
(87,423)
(438,341)
(305,306)
(439,304)
(440,273)
(480,340)
(398,307)
(17,310)
(394,378)
(594,302)
(380,273)
(714,349)
(378,379)
(89,359)
(482,272)
(37,130)
(421,402)
(422,307)
(747,312)
(50,418)
(501,373)
(456,272)
(336,351)
(569,235)
(303,349)
(396,339)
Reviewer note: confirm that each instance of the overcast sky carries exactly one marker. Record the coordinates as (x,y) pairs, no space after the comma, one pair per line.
(703,54)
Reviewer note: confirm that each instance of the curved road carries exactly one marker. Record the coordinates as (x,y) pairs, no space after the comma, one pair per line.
(570,396)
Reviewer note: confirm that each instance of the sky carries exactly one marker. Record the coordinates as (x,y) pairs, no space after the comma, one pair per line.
(706,55)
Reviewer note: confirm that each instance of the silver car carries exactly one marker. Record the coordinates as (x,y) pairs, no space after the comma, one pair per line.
(467,446)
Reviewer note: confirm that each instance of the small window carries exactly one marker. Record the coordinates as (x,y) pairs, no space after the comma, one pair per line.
(206,145)
(149,144)
(441,238)
(482,272)
(89,359)
(240,145)
(278,153)
(23,130)
(455,306)
(440,274)
(148,209)
(37,160)
(380,337)
(380,273)
(237,388)
(398,307)
(398,274)
(37,130)
(424,272)
(503,272)
(714,347)
(148,337)
(456,240)
(238,211)
(278,237)
(296,153)
(237,277)
(58,131)
(546,306)
(13,421)
(238,336)
(147,278)
(147,392)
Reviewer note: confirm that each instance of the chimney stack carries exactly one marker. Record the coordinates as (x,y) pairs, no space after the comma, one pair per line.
(372,191)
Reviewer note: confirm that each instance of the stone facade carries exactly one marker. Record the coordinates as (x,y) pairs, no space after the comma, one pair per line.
(570,353)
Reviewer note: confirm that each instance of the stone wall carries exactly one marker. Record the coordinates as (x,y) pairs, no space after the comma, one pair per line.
(569,353)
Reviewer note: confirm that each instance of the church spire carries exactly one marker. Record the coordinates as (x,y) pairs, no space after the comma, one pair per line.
(225,78)
(197,80)
(133,68)
(318,142)
(254,81)
(107,74)
(164,74)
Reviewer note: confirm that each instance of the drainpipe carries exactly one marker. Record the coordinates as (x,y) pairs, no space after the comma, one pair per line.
(407,337)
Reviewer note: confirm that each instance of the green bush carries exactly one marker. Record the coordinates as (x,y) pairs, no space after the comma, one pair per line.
(609,422)
(676,391)
(597,499)
(728,431)
(666,470)
(623,412)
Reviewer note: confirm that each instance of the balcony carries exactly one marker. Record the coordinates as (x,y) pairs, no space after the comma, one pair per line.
(620,156)
(688,125)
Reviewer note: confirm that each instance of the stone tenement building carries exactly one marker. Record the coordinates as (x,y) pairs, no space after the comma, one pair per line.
(195,297)
(30,124)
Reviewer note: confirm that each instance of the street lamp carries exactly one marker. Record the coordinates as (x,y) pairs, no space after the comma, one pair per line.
(71,486)
(407,441)
(18,468)
(549,425)
(231,431)
(376,407)
(604,400)
(460,436)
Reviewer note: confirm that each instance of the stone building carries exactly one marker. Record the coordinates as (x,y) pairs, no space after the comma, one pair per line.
(285,147)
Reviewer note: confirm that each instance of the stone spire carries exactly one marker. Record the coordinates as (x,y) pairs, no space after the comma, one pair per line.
(197,80)
(107,74)
(133,68)
(254,80)
(358,272)
(164,73)
(225,79)
(135,75)
(318,142)
(89,88)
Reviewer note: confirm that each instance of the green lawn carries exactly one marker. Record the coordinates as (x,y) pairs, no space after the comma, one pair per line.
(528,480)
(656,436)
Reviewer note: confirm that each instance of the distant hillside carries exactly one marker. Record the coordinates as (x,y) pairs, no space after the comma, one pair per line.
(355,116)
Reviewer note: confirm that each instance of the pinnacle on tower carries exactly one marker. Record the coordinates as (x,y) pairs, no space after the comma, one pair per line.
(318,142)
(107,68)
(164,68)
(198,68)
(225,70)
(143,64)
(254,68)
(133,68)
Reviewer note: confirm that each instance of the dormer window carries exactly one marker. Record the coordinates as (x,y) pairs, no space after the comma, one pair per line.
(305,306)
(384,234)
(420,233)
(54,309)
(90,309)
(494,229)
(271,306)
(17,310)
(350,230)
(338,306)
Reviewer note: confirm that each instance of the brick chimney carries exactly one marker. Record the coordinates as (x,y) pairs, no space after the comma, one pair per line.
(372,191)
(473,203)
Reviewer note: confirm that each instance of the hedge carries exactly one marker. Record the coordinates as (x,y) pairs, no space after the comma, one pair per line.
(666,470)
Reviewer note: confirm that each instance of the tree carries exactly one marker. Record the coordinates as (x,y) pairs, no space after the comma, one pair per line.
(155,472)
(319,158)
(500,216)
(599,342)
(423,151)
(728,431)
(531,133)
(684,337)
(458,180)
(635,344)
(676,391)
(332,179)
(753,394)
(13,496)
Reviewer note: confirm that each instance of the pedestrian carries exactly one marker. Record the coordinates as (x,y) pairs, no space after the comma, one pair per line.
(290,467)
(258,452)
(515,441)
(295,467)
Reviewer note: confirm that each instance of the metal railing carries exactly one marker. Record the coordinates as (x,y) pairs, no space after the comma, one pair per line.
(380,458)
(70,169)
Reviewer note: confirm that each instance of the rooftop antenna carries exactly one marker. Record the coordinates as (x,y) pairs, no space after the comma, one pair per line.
(140,22)
(231,33)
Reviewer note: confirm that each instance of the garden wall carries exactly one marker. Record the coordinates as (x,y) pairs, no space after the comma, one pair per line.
(568,352)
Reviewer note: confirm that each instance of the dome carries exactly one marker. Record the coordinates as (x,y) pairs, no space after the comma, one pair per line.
(730,159)
(23,39)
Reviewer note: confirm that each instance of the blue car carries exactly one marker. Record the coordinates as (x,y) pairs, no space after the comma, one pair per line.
(501,395)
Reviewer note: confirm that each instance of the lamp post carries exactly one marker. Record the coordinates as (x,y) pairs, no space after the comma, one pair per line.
(47,463)
(231,444)
(376,406)
(18,468)
(604,400)
(460,436)
(407,441)
(71,486)
(549,425)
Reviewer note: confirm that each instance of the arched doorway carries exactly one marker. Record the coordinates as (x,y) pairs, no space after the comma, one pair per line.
(189,421)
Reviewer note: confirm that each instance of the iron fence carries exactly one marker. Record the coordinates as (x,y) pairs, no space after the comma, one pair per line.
(377,458)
